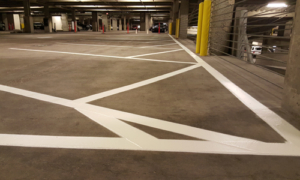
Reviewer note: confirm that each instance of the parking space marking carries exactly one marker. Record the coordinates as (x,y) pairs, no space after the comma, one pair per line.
(90,110)
(44,37)
(282,127)
(71,142)
(112,46)
(155,53)
(135,85)
(217,143)
(98,55)
(220,143)
(159,45)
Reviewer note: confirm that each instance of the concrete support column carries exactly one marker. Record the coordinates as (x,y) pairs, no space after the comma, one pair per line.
(147,21)
(238,21)
(115,24)
(142,22)
(288,27)
(95,21)
(47,20)
(73,17)
(241,34)
(28,21)
(184,19)
(175,12)
(291,99)
(5,21)
(125,24)
(120,24)
(106,22)
(64,22)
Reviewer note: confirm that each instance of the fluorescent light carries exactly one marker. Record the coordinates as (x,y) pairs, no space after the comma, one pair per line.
(279,5)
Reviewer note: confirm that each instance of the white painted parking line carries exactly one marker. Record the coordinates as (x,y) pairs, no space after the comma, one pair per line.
(73,142)
(76,142)
(119,127)
(227,144)
(156,41)
(230,140)
(159,45)
(135,85)
(154,53)
(129,39)
(98,55)
(286,130)
(135,139)
(101,45)
(95,45)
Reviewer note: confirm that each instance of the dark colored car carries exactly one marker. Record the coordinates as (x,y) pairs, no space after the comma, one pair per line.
(38,25)
(2,26)
(81,26)
(155,29)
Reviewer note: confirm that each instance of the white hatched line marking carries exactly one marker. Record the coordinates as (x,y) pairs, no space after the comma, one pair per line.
(101,45)
(282,127)
(158,45)
(154,53)
(221,143)
(134,86)
(98,55)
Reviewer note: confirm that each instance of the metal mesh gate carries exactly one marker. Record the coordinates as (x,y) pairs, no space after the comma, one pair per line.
(251,31)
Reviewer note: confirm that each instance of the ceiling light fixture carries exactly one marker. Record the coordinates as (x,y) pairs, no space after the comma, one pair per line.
(277,5)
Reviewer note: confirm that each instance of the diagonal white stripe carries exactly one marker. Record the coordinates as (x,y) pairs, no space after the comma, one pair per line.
(101,45)
(158,45)
(134,86)
(98,55)
(151,122)
(155,53)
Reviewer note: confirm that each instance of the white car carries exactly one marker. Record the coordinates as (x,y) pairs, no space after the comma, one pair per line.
(256,50)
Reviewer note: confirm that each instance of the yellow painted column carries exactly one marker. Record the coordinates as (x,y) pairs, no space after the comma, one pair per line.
(205,27)
(200,18)
(177,28)
(170,28)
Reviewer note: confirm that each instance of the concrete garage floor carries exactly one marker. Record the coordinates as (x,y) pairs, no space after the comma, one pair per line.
(118,106)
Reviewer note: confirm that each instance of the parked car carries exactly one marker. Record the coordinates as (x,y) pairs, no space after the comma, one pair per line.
(256,50)
(81,26)
(112,28)
(2,26)
(38,25)
(155,29)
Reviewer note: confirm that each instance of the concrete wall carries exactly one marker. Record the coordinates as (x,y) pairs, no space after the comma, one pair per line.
(5,21)
(291,100)
(17,22)
(220,35)
(58,23)
(38,19)
(10,19)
